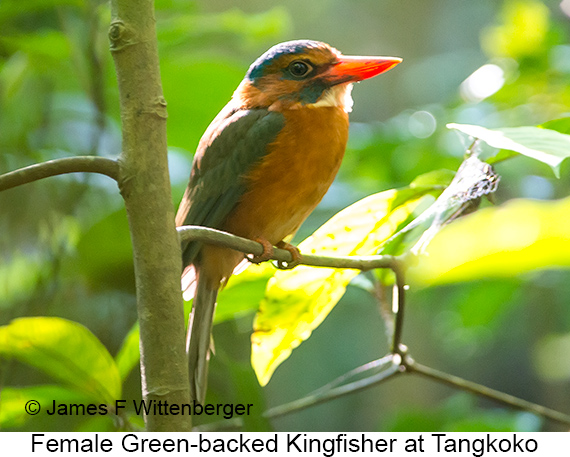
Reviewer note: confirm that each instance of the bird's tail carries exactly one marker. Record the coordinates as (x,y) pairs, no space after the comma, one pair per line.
(199,336)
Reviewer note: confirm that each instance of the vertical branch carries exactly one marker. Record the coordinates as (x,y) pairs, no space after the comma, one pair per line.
(398,303)
(145,186)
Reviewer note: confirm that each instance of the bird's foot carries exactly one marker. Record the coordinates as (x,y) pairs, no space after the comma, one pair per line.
(267,253)
(295,254)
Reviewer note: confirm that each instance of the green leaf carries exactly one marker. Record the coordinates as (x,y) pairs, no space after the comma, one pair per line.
(561,125)
(65,350)
(547,146)
(12,407)
(518,237)
(298,300)
(129,354)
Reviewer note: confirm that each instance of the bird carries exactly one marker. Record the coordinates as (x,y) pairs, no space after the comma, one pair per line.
(262,166)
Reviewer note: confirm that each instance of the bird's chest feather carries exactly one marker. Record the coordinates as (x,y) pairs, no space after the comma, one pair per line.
(294,176)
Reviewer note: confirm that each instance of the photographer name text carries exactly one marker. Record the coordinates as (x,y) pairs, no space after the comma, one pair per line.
(148,407)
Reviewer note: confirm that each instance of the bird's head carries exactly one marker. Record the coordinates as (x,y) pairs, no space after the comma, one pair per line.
(306,73)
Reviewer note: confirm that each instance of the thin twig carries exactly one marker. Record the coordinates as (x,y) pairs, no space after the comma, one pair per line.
(483,391)
(219,238)
(322,396)
(81,164)
(398,306)
(334,389)
(375,365)
(399,360)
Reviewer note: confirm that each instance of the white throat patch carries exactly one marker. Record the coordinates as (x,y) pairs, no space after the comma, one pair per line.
(335,96)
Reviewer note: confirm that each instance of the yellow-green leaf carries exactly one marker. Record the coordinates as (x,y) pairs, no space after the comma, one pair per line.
(65,350)
(518,237)
(298,300)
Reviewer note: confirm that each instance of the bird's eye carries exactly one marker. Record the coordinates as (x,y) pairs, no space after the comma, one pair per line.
(298,68)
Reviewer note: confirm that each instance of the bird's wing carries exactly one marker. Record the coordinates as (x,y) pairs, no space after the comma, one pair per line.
(235,141)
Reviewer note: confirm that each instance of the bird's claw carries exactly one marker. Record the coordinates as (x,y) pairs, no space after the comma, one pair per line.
(295,254)
(267,253)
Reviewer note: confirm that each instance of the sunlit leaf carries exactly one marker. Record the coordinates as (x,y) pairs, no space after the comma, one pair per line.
(547,146)
(12,406)
(65,350)
(297,301)
(518,237)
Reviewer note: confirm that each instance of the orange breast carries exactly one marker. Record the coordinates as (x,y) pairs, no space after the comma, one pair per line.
(294,176)
(286,186)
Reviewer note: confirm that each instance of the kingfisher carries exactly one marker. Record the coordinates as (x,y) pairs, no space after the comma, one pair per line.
(262,166)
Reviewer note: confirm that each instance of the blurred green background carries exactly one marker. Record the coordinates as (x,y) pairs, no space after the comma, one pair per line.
(64,243)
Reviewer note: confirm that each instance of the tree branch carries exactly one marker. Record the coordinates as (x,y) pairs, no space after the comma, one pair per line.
(398,306)
(392,364)
(381,370)
(389,370)
(396,362)
(148,201)
(81,164)
(219,238)
(483,391)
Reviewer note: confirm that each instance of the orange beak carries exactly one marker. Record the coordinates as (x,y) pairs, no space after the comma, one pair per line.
(358,68)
